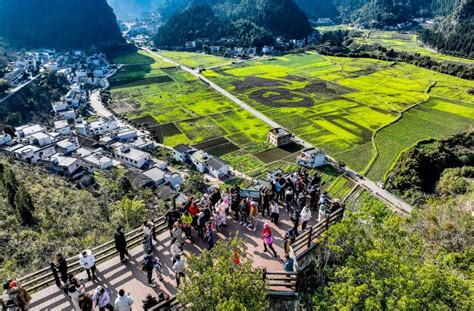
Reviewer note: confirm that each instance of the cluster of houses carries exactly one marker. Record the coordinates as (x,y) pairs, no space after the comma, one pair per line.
(228,47)
(73,145)
(202,161)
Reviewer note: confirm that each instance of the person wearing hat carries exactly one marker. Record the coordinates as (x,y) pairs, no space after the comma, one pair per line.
(121,243)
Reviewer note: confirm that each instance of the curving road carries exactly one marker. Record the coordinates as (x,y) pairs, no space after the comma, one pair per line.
(388,198)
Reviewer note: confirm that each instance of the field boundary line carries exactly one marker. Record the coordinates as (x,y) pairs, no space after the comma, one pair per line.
(372,161)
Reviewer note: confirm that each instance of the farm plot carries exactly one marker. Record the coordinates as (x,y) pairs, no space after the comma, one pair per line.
(183,110)
(197,60)
(405,42)
(340,104)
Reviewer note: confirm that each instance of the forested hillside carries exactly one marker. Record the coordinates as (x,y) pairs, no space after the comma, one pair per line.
(41,214)
(33,102)
(435,168)
(375,260)
(58,24)
(350,10)
(215,18)
(454,34)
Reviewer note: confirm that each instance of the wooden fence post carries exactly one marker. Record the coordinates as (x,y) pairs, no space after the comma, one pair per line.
(310,236)
(264,274)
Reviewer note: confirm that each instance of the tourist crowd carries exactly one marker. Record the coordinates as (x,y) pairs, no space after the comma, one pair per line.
(298,195)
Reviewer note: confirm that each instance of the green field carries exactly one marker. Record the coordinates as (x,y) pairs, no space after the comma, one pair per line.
(187,111)
(346,105)
(405,42)
(197,60)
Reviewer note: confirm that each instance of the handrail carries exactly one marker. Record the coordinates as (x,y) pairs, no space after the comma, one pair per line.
(310,238)
(44,277)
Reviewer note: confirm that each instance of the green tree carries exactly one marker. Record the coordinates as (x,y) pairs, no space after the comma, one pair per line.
(10,185)
(194,184)
(129,212)
(4,86)
(24,206)
(214,282)
(378,261)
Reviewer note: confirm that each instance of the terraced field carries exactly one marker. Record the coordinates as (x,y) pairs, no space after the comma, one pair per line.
(177,108)
(361,111)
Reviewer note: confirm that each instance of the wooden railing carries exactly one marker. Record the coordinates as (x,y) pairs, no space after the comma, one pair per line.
(277,281)
(44,277)
(305,241)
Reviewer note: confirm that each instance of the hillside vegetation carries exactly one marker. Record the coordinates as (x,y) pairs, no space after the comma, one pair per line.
(454,34)
(58,24)
(251,22)
(375,260)
(435,168)
(41,214)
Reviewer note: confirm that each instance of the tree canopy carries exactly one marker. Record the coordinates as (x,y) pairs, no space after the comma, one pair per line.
(376,260)
(214,282)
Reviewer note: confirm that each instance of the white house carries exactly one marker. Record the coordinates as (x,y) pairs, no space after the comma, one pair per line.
(82,128)
(127,134)
(217,167)
(24,153)
(173,179)
(67,146)
(5,139)
(59,106)
(67,115)
(143,144)
(73,98)
(311,158)
(62,127)
(156,175)
(65,165)
(103,126)
(27,130)
(132,156)
(181,152)
(40,139)
(99,161)
(199,159)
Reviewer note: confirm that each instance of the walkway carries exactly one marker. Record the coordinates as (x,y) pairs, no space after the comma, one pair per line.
(115,275)
(396,203)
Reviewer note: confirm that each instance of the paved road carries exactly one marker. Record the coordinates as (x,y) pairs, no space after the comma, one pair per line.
(13,91)
(390,199)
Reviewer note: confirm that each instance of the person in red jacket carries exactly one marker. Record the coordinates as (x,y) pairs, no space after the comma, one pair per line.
(267,239)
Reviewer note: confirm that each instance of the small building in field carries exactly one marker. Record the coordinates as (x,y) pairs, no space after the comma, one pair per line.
(279,137)
(312,158)
(218,167)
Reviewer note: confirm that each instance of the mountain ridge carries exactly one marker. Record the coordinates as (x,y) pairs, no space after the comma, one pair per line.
(58,24)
